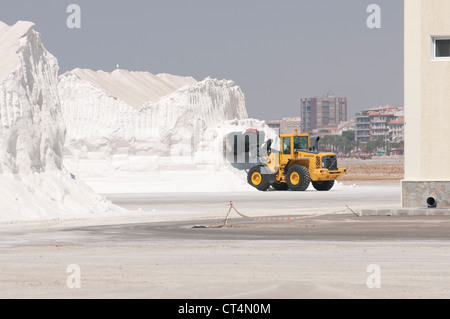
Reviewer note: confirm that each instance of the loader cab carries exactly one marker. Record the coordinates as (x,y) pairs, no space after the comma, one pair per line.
(291,145)
(294,143)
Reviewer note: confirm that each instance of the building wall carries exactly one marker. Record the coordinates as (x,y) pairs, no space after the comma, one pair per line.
(320,112)
(275,125)
(286,125)
(362,127)
(427,92)
(290,126)
(396,131)
(427,106)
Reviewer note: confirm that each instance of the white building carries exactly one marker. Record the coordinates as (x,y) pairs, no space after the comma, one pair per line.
(427,104)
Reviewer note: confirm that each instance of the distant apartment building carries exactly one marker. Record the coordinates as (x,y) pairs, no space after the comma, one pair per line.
(323,114)
(288,125)
(362,126)
(382,122)
(275,125)
(334,129)
(346,126)
(397,130)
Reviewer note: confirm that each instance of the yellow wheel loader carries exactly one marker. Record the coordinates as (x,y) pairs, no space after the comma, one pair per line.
(295,166)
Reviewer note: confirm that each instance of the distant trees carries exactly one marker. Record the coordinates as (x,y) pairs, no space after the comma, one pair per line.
(346,144)
(373,145)
(380,145)
(340,144)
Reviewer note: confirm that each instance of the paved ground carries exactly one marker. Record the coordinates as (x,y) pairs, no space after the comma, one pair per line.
(189,206)
(158,254)
(342,227)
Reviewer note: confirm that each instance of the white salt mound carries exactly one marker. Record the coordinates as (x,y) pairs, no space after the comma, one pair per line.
(134,88)
(140,113)
(33,182)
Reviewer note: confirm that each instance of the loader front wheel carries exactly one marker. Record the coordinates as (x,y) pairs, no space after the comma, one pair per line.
(257,179)
(298,178)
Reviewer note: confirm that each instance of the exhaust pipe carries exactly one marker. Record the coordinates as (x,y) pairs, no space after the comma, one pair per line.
(315,142)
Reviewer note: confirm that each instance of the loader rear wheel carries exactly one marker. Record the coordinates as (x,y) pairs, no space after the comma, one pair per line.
(257,179)
(280,186)
(298,178)
(323,186)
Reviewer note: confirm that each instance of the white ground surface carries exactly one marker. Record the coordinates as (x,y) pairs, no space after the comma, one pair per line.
(33,262)
(228,269)
(35,256)
(146,174)
(189,206)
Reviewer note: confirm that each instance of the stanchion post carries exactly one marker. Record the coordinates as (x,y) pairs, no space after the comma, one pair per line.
(228,215)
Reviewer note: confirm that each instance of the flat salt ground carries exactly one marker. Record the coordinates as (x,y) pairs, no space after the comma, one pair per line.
(145,265)
(163,194)
(142,174)
(172,206)
(122,259)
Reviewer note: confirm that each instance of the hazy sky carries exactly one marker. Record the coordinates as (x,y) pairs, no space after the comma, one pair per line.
(276,51)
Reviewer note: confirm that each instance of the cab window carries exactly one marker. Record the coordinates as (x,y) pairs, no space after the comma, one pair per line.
(301,143)
(286,146)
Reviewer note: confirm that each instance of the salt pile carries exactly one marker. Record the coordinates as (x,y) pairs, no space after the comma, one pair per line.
(63,138)
(33,181)
(137,112)
(139,132)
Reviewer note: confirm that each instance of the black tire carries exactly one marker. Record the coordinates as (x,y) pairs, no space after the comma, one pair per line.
(258,180)
(323,186)
(280,186)
(298,178)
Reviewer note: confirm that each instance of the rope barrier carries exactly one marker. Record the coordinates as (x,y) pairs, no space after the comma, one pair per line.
(276,218)
(224,222)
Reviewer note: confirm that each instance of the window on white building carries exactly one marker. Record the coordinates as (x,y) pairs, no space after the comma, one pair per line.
(440,48)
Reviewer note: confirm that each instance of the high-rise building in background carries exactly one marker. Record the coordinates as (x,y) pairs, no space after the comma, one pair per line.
(322,114)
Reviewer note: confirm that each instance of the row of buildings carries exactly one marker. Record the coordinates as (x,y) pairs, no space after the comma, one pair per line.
(385,122)
(327,115)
